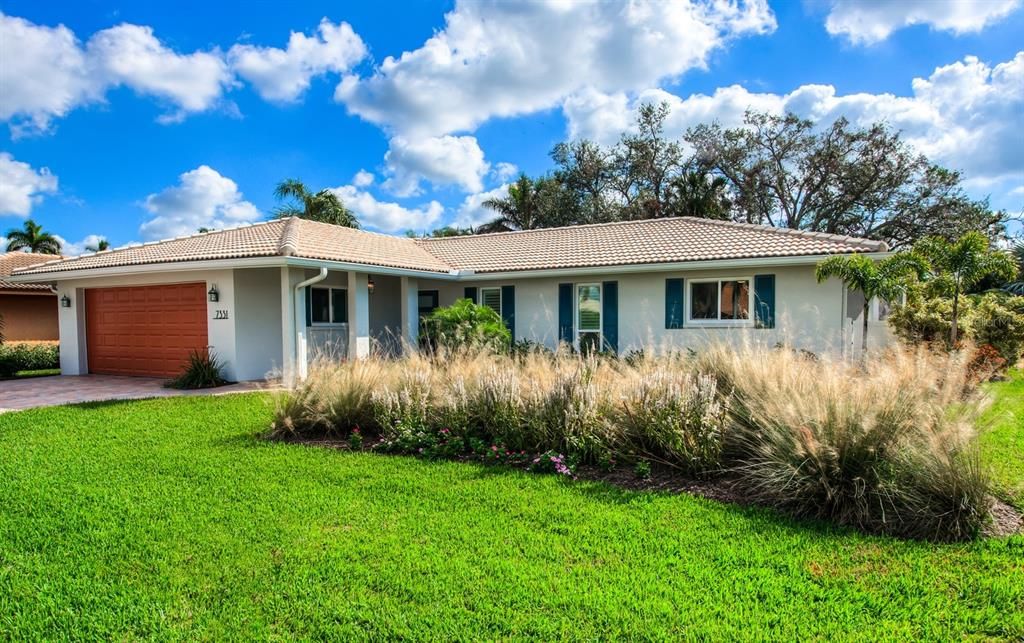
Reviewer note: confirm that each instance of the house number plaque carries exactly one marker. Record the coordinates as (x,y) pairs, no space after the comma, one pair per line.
(220,314)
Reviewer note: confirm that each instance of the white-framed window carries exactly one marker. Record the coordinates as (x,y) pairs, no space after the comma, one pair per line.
(328,306)
(589,322)
(728,301)
(491,297)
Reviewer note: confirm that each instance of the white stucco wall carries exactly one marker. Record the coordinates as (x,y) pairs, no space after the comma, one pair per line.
(221,332)
(808,314)
(258,336)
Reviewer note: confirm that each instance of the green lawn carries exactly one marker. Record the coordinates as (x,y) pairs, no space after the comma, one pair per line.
(171,519)
(1003,437)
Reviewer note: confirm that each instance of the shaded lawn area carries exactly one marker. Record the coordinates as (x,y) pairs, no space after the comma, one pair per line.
(1003,437)
(45,372)
(171,518)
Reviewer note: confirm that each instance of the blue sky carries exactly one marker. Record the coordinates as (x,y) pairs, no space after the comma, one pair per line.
(147,121)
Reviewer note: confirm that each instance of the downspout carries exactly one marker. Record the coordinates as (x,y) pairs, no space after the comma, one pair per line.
(301,365)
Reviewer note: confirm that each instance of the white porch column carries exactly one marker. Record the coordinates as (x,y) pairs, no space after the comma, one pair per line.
(358,316)
(410,313)
(288,348)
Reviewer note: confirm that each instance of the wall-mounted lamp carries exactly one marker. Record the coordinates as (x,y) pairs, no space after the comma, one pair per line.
(65,302)
(214,295)
(369,285)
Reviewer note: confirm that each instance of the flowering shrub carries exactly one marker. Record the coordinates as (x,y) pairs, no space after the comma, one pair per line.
(551,462)
(355,439)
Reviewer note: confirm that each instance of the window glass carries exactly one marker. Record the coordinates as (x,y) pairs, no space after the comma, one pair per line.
(491,297)
(427,301)
(735,299)
(704,300)
(339,305)
(589,301)
(321,305)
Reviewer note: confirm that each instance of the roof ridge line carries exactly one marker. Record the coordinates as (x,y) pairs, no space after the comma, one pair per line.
(811,234)
(288,244)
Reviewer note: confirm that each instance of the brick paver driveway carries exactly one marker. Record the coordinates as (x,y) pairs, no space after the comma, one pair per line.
(67,389)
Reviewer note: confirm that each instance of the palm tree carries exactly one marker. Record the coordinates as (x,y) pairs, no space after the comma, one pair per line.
(99,246)
(887,279)
(696,194)
(32,238)
(519,210)
(958,266)
(323,206)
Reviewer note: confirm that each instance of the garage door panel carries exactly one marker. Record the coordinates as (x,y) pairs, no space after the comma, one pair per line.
(144,330)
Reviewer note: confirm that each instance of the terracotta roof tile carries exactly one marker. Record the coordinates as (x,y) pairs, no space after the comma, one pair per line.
(608,244)
(673,240)
(12,261)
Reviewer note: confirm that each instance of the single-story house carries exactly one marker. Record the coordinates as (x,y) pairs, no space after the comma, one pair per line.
(270,296)
(29,310)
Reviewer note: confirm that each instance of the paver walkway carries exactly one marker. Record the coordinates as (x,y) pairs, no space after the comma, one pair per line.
(16,395)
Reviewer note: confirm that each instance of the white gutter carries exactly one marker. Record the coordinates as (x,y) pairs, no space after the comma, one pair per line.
(301,365)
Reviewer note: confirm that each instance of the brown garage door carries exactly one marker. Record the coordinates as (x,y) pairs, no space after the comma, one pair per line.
(144,330)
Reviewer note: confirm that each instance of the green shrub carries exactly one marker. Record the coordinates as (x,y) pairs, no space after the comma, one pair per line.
(466,326)
(998,320)
(927,320)
(16,357)
(203,370)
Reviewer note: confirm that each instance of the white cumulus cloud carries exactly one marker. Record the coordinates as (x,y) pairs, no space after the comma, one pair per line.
(284,74)
(500,59)
(472,212)
(967,115)
(203,198)
(74,248)
(442,160)
(22,186)
(871,22)
(387,216)
(46,72)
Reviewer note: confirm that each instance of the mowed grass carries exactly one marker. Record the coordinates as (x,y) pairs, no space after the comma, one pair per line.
(172,519)
(1002,438)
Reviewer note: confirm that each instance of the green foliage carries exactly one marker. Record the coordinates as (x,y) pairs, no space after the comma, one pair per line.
(16,357)
(998,321)
(244,540)
(925,320)
(530,204)
(32,238)
(202,370)
(323,206)
(642,469)
(466,326)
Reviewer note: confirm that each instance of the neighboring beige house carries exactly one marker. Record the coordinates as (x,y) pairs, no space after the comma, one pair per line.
(29,310)
(272,295)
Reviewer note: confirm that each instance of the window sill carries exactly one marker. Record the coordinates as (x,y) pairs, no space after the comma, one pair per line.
(717,323)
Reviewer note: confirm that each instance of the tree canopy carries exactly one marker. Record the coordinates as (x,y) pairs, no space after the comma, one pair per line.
(775,170)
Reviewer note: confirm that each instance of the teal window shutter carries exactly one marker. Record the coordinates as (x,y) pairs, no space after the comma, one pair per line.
(764,300)
(610,312)
(471,293)
(508,309)
(565,324)
(309,306)
(674,303)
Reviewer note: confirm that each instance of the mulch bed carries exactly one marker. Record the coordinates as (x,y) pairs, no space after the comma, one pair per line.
(1007,520)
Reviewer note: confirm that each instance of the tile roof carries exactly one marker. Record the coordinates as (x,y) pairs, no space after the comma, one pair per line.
(12,261)
(608,244)
(673,240)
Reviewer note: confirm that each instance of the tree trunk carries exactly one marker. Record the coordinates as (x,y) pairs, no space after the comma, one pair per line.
(864,338)
(952,327)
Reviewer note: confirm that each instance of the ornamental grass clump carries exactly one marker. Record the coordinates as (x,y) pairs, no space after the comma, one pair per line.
(675,417)
(332,400)
(889,447)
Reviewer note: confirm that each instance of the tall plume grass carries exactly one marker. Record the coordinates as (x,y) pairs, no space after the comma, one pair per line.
(887,447)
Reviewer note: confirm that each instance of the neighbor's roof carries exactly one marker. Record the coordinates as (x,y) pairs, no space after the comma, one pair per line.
(675,240)
(653,241)
(12,261)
